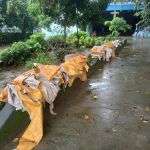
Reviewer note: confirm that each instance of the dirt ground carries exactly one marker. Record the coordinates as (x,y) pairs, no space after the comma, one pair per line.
(111,111)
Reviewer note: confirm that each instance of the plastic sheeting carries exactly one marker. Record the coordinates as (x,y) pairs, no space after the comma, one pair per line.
(33,99)
(13,98)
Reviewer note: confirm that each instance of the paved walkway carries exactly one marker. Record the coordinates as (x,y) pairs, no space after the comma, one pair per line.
(109,112)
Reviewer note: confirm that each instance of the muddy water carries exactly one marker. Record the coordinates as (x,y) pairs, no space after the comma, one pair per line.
(111,111)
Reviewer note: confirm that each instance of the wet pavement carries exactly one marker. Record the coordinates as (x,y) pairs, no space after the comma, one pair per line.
(111,111)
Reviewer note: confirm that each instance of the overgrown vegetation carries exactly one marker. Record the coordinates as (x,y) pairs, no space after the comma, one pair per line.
(38,50)
(42,58)
(85,40)
(21,51)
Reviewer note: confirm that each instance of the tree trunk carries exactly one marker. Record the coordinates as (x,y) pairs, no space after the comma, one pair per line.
(77,36)
(65,32)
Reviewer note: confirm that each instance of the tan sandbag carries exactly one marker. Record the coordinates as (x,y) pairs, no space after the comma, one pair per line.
(33,105)
(33,98)
(76,67)
(98,52)
(49,71)
(105,51)
(34,131)
(3,95)
(80,60)
(19,80)
(74,55)
(111,46)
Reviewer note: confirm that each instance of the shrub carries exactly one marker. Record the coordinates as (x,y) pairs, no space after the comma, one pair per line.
(117,25)
(99,41)
(15,54)
(73,38)
(21,51)
(60,53)
(7,38)
(89,42)
(37,42)
(56,42)
(42,58)
(85,40)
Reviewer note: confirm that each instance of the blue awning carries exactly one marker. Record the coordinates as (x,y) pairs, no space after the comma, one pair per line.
(121,6)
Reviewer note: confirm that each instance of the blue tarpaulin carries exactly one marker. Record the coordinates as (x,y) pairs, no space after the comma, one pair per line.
(121,6)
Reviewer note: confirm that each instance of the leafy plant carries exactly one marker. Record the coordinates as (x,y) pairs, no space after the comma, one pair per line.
(36,41)
(84,40)
(56,42)
(99,41)
(89,42)
(15,54)
(73,38)
(21,51)
(117,25)
(42,58)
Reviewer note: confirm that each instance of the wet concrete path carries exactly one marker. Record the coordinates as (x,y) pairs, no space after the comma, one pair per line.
(111,111)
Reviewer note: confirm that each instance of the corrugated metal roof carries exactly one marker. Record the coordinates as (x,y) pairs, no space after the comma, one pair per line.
(121,6)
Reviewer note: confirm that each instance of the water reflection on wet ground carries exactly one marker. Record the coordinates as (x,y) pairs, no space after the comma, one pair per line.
(111,111)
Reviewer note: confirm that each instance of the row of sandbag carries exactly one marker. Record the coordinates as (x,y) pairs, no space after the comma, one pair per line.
(30,90)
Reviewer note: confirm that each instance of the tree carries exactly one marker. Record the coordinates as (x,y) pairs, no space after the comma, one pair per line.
(25,14)
(117,25)
(75,12)
(66,15)
(93,12)
(145,13)
(35,10)
(17,15)
(2,11)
